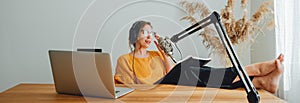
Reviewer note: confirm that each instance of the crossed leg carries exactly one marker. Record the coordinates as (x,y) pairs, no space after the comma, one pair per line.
(266,74)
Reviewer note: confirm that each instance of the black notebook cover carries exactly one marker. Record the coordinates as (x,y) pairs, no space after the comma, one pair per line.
(190,67)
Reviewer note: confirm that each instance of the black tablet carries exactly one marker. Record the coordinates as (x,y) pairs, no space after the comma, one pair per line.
(89,50)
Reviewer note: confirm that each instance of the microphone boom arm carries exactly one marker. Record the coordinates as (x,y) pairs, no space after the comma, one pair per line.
(214,18)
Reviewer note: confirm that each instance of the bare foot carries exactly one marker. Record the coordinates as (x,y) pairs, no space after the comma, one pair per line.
(262,68)
(270,82)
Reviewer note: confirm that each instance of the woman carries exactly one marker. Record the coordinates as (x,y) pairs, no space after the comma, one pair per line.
(141,66)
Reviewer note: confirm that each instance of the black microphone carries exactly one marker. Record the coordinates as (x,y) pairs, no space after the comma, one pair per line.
(166,45)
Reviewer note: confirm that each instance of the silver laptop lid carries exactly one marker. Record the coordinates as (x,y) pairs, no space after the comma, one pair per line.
(82,73)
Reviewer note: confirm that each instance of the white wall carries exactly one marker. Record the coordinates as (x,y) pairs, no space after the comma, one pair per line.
(263,48)
(28,29)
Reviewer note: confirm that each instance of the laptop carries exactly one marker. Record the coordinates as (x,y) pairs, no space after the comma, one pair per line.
(84,73)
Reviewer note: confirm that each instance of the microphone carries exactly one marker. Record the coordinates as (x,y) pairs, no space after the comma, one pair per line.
(166,45)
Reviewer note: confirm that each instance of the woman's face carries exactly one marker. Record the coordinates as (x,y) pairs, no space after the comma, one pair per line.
(145,36)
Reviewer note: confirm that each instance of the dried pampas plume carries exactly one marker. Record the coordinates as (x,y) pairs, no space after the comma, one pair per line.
(243,29)
(210,39)
(238,30)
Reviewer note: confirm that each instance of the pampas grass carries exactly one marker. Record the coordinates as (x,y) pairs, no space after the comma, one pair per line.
(210,39)
(238,30)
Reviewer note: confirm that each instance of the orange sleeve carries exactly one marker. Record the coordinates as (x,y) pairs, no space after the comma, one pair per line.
(159,54)
(124,74)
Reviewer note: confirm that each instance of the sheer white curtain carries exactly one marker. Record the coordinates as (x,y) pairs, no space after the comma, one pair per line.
(287,23)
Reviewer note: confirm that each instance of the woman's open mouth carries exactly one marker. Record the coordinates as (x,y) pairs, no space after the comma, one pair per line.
(148,41)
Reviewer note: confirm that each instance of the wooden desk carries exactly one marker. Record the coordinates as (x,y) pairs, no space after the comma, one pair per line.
(31,93)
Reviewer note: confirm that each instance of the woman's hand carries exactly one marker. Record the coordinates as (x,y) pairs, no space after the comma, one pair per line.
(157,37)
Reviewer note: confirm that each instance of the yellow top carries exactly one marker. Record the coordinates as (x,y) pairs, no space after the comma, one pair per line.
(147,70)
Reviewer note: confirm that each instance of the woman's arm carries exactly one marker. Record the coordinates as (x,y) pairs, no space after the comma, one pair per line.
(166,59)
(124,74)
(169,63)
